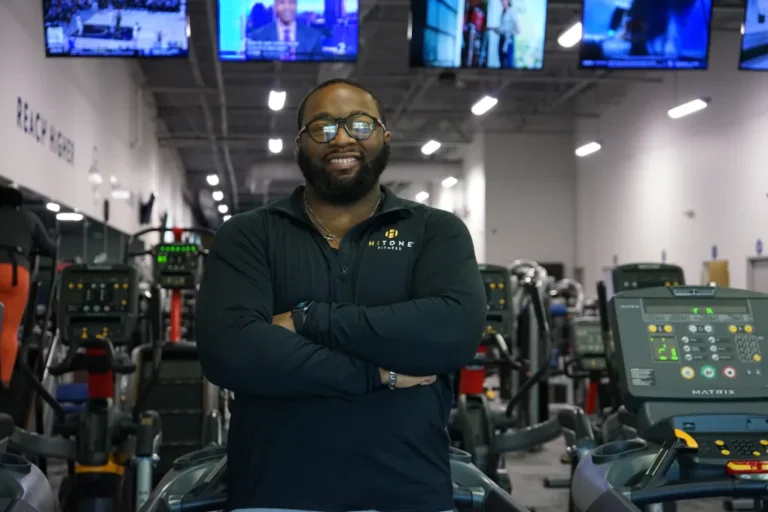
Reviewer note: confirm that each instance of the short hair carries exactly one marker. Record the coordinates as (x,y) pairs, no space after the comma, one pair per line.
(335,81)
(10,197)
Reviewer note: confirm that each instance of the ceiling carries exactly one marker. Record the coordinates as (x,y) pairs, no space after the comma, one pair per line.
(216,113)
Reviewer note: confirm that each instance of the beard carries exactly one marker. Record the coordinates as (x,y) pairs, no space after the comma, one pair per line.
(343,191)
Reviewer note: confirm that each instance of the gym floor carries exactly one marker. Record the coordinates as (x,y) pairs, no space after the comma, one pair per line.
(527,472)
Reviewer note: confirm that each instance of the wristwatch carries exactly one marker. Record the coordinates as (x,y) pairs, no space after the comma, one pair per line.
(392,381)
(299,314)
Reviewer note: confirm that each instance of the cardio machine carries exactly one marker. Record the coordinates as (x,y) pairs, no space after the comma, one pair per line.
(186,402)
(485,433)
(109,451)
(701,421)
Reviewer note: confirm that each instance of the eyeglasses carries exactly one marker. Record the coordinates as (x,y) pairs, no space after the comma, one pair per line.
(358,126)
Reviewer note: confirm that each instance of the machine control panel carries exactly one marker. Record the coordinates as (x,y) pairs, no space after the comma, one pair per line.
(691,345)
(177,265)
(638,276)
(97,302)
(496,281)
(588,344)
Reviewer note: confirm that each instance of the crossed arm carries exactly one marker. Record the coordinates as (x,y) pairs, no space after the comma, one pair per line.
(341,347)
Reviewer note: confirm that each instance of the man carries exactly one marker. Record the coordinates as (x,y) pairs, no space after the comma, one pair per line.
(297,41)
(337,316)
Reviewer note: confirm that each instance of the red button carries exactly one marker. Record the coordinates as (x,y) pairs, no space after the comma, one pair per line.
(729,372)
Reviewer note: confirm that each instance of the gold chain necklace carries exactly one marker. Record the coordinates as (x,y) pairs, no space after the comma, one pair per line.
(324,231)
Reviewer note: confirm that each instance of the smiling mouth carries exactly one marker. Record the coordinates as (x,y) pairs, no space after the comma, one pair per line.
(343,163)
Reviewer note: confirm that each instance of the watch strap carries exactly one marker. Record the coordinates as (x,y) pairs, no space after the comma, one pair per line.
(299,314)
(392,380)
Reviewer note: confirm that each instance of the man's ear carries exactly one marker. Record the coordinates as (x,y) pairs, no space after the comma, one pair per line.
(387,136)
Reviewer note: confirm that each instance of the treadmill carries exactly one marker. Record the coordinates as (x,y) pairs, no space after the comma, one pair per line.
(702,420)
(197,483)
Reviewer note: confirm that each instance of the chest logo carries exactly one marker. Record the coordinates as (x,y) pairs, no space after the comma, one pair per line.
(391,242)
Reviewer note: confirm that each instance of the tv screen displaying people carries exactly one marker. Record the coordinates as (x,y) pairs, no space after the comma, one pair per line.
(288,30)
(754,42)
(645,34)
(116,28)
(494,34)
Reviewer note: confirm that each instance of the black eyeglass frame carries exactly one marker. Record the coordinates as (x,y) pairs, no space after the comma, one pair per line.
(343,122)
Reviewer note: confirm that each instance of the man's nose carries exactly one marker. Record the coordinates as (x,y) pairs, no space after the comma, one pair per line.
(342,138)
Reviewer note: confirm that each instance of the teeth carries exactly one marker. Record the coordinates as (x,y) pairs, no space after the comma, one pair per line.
(342,160)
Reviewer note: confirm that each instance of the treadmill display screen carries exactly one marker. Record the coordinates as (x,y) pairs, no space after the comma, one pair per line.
(696,307)
(664,348)
(588,339)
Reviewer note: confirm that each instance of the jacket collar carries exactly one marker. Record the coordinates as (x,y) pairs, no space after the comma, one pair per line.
(293,205)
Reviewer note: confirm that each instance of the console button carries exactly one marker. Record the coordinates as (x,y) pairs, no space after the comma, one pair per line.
(725,452)
(708,372)
(651,328)
(764,442)
(687,372)
(729,372)
(720,443)
(747,328)
(667,328)
(733,328)
(756,453)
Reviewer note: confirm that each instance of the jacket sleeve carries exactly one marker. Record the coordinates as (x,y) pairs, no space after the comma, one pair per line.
(240,349)
(43,242)
(436,332)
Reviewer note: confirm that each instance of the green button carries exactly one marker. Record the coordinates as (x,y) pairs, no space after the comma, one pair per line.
(708,372)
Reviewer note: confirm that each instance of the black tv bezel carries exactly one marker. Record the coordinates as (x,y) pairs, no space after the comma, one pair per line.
(290,62)
(412,63)
(582,67)
(49,55)
(741,43)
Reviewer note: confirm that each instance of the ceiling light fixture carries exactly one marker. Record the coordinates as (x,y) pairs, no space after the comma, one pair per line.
(430,147)
(223,208)
(588,149)
(687,108)
(69,217)
(483,105)
(54,207)
(212,180)
(227,217)
(275,145)
(218,195)
(422,196)
(571,37)
(276,100)
(449,182)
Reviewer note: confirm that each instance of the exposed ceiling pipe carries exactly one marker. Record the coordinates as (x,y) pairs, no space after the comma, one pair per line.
(197,75)
(212,31)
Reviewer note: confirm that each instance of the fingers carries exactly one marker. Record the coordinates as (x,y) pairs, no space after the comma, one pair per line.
(428,381)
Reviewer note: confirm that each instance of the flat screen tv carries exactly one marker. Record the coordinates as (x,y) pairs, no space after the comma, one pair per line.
(754,42)
(288,30)
(645,34)
(475,34)
(116,28)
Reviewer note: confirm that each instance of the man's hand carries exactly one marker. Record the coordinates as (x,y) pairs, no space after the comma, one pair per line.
(406,381)
(284,320)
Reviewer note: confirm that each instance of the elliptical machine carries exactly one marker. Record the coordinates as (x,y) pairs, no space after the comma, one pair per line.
(110,452)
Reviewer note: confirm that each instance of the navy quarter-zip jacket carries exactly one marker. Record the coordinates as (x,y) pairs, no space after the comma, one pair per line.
(312,427)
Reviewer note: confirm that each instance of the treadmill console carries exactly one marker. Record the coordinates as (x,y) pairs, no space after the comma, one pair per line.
(690,343)
(98,301)
(177,265)
(637,276)
(496,281)
(588,344)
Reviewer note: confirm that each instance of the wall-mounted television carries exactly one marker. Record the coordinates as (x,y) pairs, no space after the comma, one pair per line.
(754,42)
(645,34)
(288,30)
(473,34)
(116,28)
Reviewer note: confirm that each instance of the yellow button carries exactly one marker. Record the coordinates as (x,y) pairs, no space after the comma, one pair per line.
(757,358)
(489,329)
(71,286)
(79,286)
(501,286)
(732,328)
(756,453)
(747,328)
(502,301)
(719,443)
(677,284)
(125,286)
(117,286)
(667,283)
(764,442)
(725,452)
(492,286)
(84,336)
(667,328)
(124,302)
(652,328)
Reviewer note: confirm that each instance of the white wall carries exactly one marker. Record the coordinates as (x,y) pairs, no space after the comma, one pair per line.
(82,104)
(473,187)
(530,183)
(632,195)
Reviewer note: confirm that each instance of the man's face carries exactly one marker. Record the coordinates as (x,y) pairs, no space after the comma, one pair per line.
(286,10)
(345,169)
